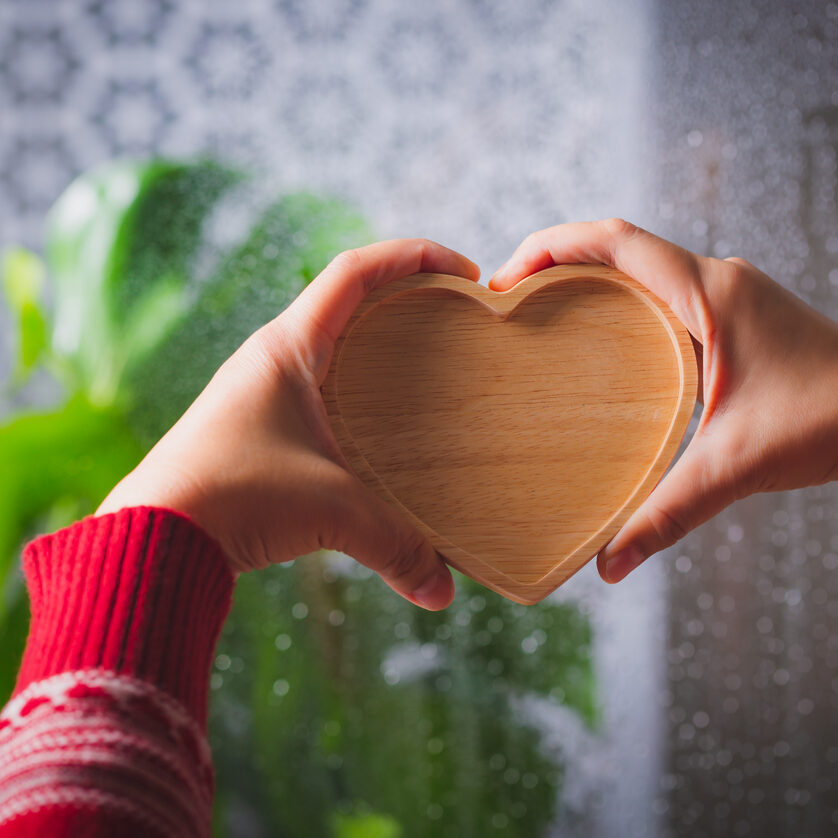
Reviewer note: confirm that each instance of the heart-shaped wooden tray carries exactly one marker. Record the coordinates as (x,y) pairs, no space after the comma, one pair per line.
(517,430)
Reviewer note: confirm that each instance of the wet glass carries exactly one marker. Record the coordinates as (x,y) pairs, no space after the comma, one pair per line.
(699,696)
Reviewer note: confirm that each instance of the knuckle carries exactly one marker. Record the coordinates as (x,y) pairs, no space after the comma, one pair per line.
(668,526)
(619,227)
(257,355)
(423,248)
(262,342)
(732,283)
(337,528)
(738,260)
(352,262)
(404,561)
(347,260)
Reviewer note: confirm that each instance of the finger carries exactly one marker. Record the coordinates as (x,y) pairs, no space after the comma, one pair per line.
(669,271)
(698,487)
(738,260)
(371,531)
(328,302)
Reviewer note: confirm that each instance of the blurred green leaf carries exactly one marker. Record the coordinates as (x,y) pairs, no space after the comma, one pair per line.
(114,236)
(73,452)
(155,315)
(33,338)
(365,826)
(289,243)
(14,626)
(23,276)
(65,460)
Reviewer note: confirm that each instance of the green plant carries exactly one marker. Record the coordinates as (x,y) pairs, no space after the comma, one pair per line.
(332,695)
(345,712)
(134,331)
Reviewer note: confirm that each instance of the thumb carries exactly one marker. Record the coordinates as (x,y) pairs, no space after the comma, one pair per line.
(699,486)
(375,534)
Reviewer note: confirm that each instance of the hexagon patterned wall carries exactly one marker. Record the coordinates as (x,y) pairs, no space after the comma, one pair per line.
(475,122)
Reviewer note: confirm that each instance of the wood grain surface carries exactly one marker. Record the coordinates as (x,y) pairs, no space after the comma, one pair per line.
(516,430)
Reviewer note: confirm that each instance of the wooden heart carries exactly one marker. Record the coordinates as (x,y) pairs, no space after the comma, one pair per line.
(517,430)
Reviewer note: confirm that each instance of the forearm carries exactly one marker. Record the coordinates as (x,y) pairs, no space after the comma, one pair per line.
(106,728)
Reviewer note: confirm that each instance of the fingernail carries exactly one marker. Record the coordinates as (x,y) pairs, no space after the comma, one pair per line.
(622,563)
(435,593)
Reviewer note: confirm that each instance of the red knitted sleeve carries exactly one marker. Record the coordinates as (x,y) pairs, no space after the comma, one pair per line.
(105,732)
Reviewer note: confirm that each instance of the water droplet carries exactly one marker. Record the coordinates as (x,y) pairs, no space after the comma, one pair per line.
(434,811)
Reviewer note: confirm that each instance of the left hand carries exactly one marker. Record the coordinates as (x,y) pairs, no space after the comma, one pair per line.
(253,460)
(768,378)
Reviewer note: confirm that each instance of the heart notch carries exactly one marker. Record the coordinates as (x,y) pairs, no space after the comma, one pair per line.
(519,430)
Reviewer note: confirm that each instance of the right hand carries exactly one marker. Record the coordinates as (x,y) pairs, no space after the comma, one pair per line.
(768,378)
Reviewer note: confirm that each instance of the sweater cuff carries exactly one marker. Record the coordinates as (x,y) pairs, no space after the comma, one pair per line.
(140,592)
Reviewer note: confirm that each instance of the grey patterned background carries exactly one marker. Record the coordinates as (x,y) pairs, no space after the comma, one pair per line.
(475,122)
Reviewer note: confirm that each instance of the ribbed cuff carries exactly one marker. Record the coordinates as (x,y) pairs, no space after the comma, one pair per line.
(140,592)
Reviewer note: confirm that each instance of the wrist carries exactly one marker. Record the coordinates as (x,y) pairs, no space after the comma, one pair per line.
(160,583)
(169,491)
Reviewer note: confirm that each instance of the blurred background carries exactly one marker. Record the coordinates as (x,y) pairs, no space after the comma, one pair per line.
(256,139)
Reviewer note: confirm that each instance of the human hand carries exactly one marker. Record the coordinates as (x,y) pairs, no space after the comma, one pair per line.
(254,462)
(768,379)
